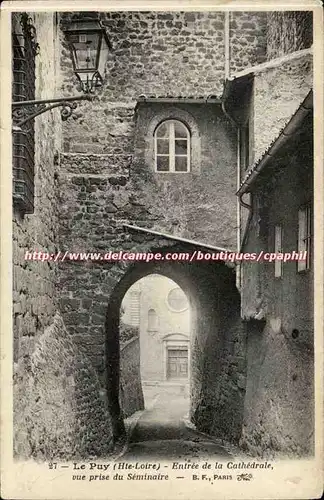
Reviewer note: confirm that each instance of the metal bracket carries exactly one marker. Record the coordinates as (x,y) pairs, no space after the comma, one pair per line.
(24,111)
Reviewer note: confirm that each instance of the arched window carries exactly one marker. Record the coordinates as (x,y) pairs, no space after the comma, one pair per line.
(152,320)
(172,147)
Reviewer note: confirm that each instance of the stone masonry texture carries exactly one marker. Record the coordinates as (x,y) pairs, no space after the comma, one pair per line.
(131,393)
(57,405)
(248,31)
(288,32)
(56,392)
(160,54)
(34,307)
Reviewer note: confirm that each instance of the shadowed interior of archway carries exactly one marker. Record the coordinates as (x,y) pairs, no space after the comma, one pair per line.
(155,328)
(113,330)
(214,327)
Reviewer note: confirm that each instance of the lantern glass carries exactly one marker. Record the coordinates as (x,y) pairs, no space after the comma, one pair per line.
(103,56)
(85,50)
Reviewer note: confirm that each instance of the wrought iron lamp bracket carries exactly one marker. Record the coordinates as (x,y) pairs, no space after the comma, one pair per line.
(24,111)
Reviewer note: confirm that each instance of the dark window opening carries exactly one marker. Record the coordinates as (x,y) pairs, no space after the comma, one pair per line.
(24,49)
(245,145)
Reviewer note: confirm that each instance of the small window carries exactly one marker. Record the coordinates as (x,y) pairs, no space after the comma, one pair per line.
(152,320)
(278,249)
(304,236)
(172,147)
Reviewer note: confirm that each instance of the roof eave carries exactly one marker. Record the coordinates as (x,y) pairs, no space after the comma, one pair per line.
(289,131)
(176,238)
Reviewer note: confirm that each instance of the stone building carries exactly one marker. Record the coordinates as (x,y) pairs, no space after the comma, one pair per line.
(150,165)
(160,309)
(58,406)
(276,191)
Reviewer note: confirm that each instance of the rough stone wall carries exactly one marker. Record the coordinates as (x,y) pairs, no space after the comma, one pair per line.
(99,192)
(58,412)
(288,32)
(248,32)
(200,205)
(273,92)
(57,407)
(110,126)
(93,208)
(279,413)
(154,53)
(219,363)
(107,176)
(102,286)
(34,297)
(131,394)
(34,294)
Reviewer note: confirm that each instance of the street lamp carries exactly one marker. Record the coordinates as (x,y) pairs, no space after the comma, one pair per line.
(89,46)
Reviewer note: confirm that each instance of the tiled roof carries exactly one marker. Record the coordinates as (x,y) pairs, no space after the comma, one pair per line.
(265,152)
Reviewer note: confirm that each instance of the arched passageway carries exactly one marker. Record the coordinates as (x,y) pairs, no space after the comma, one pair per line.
(154,332)
(215,334)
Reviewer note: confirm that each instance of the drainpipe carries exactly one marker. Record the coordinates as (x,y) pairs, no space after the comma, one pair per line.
(249,207)
(238,206)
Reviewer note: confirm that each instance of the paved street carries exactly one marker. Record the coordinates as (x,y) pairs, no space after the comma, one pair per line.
(161,433)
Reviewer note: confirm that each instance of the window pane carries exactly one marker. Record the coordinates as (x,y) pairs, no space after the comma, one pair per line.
(179,130)
(163,130)
(180,163)
(162,163)
(162,146)
(180,147)
(85,51)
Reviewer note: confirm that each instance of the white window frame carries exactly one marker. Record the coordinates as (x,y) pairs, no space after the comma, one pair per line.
(278,249)
(172,155)
(304,235)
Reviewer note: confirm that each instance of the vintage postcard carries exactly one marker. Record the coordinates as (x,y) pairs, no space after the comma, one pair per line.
(161,250)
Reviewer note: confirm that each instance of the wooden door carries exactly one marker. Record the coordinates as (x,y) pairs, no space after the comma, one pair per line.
(177,363)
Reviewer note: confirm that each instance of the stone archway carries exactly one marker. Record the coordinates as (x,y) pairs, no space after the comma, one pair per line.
(214,301)
(132,275)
